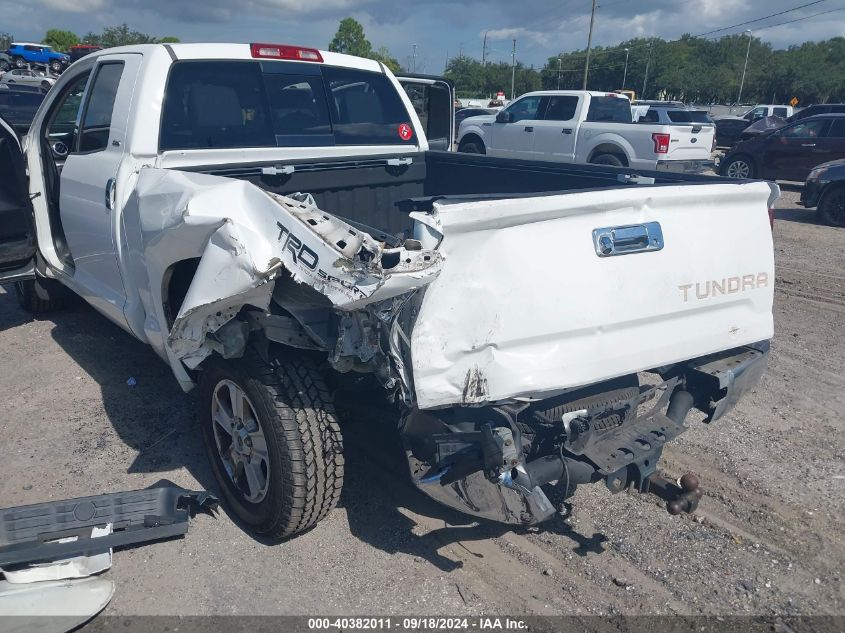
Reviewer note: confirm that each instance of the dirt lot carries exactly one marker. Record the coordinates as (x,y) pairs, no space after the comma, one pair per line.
(767,538)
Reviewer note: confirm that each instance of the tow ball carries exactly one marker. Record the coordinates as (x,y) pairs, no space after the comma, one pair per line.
(678,499)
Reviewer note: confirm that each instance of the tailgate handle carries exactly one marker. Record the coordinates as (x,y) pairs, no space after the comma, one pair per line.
(627,240)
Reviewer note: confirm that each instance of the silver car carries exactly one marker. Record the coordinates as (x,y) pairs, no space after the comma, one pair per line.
(27,78)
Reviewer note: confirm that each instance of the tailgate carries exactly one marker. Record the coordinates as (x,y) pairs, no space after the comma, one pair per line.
(690,142)
(525,305)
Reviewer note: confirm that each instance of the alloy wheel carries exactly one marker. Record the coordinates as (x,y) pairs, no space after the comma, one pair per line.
(241,444)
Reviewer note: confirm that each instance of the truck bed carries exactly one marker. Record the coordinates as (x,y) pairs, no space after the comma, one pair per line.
(367,189)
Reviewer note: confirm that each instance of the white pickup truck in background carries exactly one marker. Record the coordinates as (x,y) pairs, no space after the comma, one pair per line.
(217,202)
(578,126)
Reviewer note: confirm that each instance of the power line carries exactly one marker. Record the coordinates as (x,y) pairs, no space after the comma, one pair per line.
(771,15)
(633,47)
(806,17)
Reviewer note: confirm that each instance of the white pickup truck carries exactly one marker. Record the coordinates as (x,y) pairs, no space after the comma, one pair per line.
(215,201)
(579,126)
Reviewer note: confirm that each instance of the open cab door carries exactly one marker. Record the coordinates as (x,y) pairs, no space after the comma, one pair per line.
(17,225)
(434,101)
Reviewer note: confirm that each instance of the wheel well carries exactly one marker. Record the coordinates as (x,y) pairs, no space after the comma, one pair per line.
(175,283)
(830,189)
(609,148)
(471,137)
(747,157)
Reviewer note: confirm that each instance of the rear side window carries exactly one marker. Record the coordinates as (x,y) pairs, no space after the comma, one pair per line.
(235,104)
(609,109)
(837,128)
(781,112)
(651,116)
(561,108)
(688,116)
(365,108)
(96,122)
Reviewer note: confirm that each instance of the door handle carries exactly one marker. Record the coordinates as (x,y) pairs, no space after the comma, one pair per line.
(110,194)
(808,144)
(529,129)
(626,240)
(567,130)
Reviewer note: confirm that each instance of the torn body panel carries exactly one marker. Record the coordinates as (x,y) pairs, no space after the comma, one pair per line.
(246,239)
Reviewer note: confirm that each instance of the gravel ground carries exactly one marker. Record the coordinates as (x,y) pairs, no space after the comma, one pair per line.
(767,538)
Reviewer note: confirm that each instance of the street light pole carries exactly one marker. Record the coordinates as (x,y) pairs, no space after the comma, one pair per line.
(647,64)
(415,58)
(745,66)
(625,74)
(589,46)
(513,68)
(558,71)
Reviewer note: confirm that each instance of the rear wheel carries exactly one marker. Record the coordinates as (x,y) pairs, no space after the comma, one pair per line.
(607,159)
(831,209)
(19,62)
(45,85)
(738,167)
(273,441)
(55,66)
(472,146)
(40,295)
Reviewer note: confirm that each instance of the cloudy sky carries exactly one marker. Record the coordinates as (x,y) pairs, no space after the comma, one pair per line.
(438,27)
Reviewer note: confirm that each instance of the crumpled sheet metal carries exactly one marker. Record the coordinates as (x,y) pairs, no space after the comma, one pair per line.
(248,238)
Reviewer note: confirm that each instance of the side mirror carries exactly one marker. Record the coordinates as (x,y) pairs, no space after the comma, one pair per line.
(504,117)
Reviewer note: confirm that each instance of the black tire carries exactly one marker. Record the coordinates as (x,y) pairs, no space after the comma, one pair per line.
(19,62)
(304,444)
(739,167)
(472,146)
(55,66)
(607,159)
(831,209)
(39,296)
(45,85)
(4,66)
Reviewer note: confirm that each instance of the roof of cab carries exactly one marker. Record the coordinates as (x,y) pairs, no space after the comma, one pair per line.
(218,52)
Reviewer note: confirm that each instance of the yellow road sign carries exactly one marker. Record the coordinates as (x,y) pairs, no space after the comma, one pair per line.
(793,102)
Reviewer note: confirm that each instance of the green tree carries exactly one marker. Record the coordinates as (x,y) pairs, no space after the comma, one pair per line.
(60,40)
(168,39)
(350,39)
(383,55)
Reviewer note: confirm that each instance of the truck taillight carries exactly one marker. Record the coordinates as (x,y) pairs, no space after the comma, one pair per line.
(661,143)
(283,51)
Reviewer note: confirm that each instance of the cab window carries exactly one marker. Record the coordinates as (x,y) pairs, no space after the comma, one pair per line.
(96,121)
(524,109)
(807,129)
(561,108)
(61,124)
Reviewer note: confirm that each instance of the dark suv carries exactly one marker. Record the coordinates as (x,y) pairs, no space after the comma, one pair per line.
(790,152)
(819,108)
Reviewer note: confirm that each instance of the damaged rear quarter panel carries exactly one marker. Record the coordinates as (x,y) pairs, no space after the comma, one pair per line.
(244,237)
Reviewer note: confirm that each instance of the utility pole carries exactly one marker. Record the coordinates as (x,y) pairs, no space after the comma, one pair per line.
(742,81)
(589,46)
(558,71)
(484,50)
(625,74)
(647,64)
(513,68)
(415,58)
